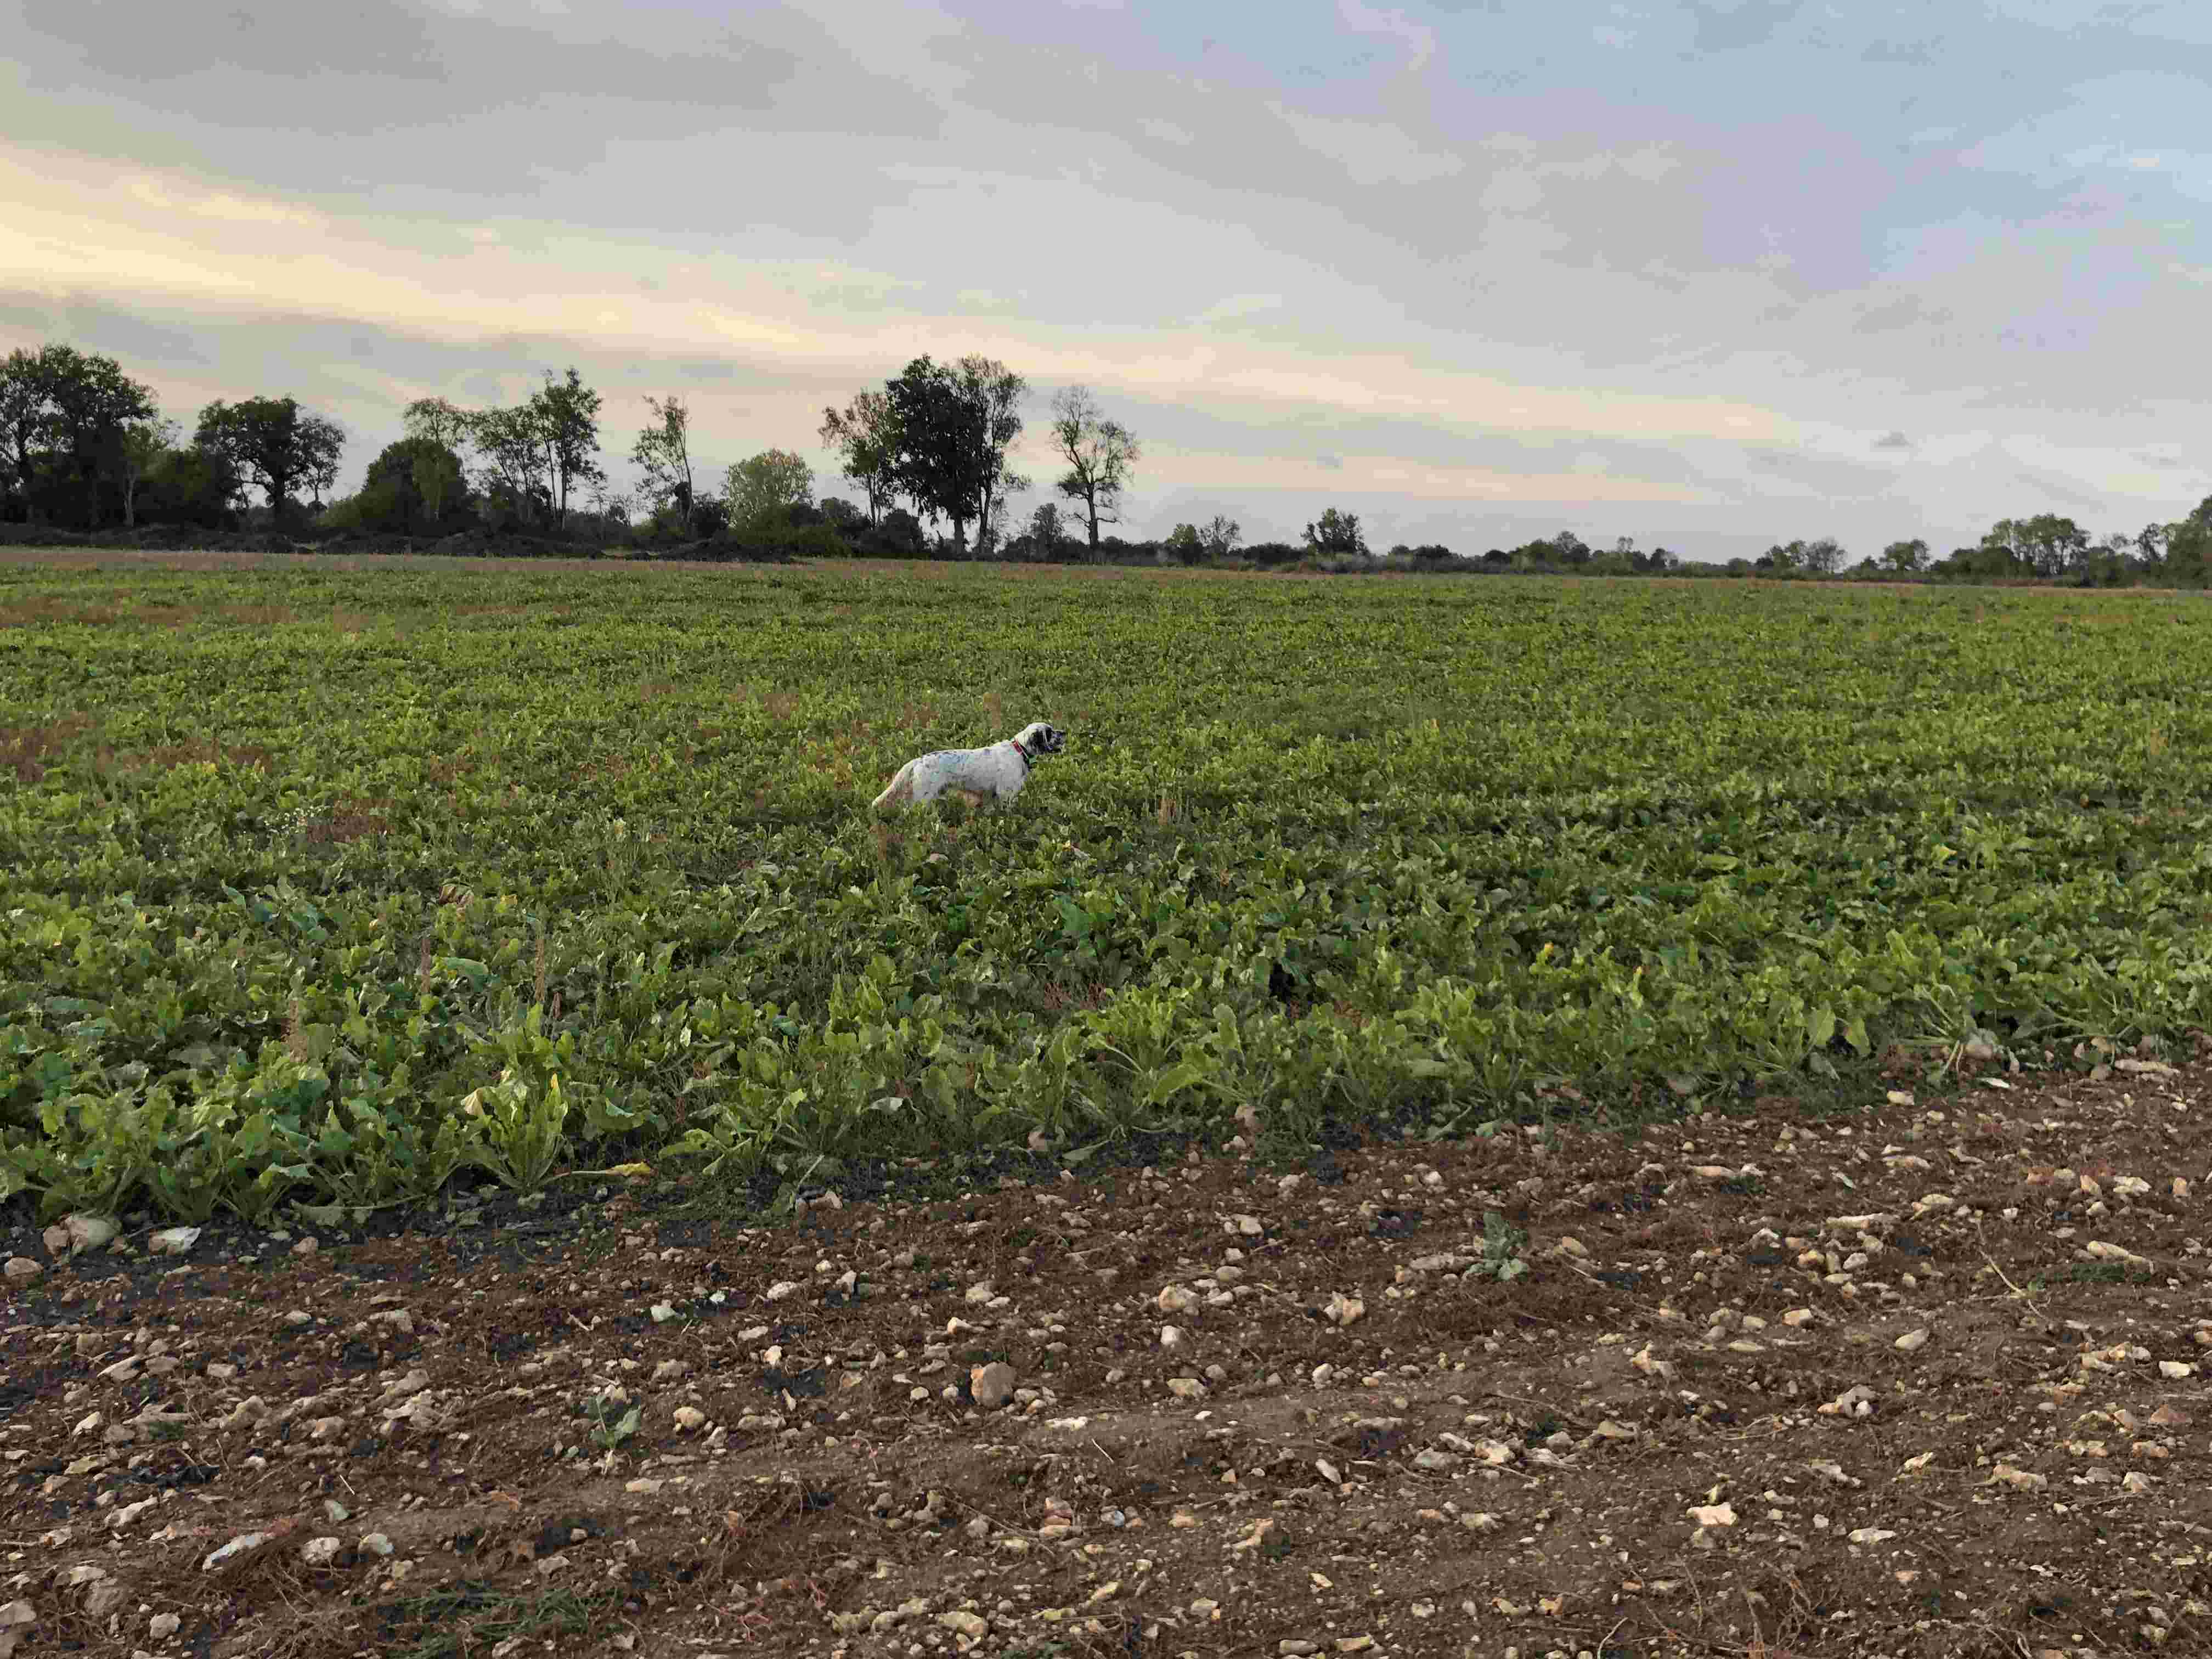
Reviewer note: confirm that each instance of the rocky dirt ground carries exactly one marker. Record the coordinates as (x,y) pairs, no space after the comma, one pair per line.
(1925,1378)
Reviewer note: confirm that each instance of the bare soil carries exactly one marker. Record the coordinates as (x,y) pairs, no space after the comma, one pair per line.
(1922,1379)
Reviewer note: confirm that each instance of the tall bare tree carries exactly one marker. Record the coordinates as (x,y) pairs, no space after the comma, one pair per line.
(1099,453)
(567,421)
(663,453)
(322,441)
(511,447)
(145,443)
(865,435)
(994,393)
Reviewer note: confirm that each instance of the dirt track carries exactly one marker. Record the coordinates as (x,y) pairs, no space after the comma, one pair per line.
(1925,1380)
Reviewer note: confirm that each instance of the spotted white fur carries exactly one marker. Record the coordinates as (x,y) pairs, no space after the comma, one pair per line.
(997,773)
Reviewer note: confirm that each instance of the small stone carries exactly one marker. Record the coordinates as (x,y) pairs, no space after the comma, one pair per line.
(991,1386)
(22,1268)
(237,1546)
(781,1289)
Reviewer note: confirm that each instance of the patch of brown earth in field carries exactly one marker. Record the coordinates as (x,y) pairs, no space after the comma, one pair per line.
(1925,1380)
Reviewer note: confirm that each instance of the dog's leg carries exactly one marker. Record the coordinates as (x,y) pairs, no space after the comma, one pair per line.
(900,792)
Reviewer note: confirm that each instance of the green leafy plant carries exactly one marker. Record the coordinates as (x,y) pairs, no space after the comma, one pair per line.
(1436,857)
(1502,1244)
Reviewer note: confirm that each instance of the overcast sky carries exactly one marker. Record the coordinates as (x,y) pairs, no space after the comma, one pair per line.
(1708,273)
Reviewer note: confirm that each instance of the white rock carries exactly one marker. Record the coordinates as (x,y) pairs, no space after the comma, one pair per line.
(237,1546)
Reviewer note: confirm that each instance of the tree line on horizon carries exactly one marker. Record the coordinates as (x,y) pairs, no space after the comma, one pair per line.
(84,447)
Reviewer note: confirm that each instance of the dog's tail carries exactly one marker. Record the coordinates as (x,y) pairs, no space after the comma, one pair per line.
(900,791)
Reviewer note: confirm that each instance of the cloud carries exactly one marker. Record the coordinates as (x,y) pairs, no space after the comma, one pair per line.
(1732,25)
(1892,441)
(1370,152)
(1418,40)
(1238,306)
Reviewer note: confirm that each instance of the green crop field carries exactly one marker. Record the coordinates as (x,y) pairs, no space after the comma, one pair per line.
(328,884)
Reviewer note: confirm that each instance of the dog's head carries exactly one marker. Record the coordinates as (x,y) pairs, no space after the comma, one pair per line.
(1039,738)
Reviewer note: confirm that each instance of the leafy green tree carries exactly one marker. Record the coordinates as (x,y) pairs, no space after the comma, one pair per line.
(2186,544)
(866,438)
(1219,537)
(1905,558)
(93,401)
(2050,545)
(273,444)
(193,485)
(766,487)
(954,424)
(1336,534)
(25,418)
(410,485)
(1100,454)
(663,453)
(435,472)
(2149,549)
(1183,545)
(439,421)
(1824,555)
(1048,529)
(511,448)
(1565,549)
(145,443)
(63,414)
(566,414)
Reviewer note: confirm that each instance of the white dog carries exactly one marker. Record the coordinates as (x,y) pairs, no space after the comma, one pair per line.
(996,773)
